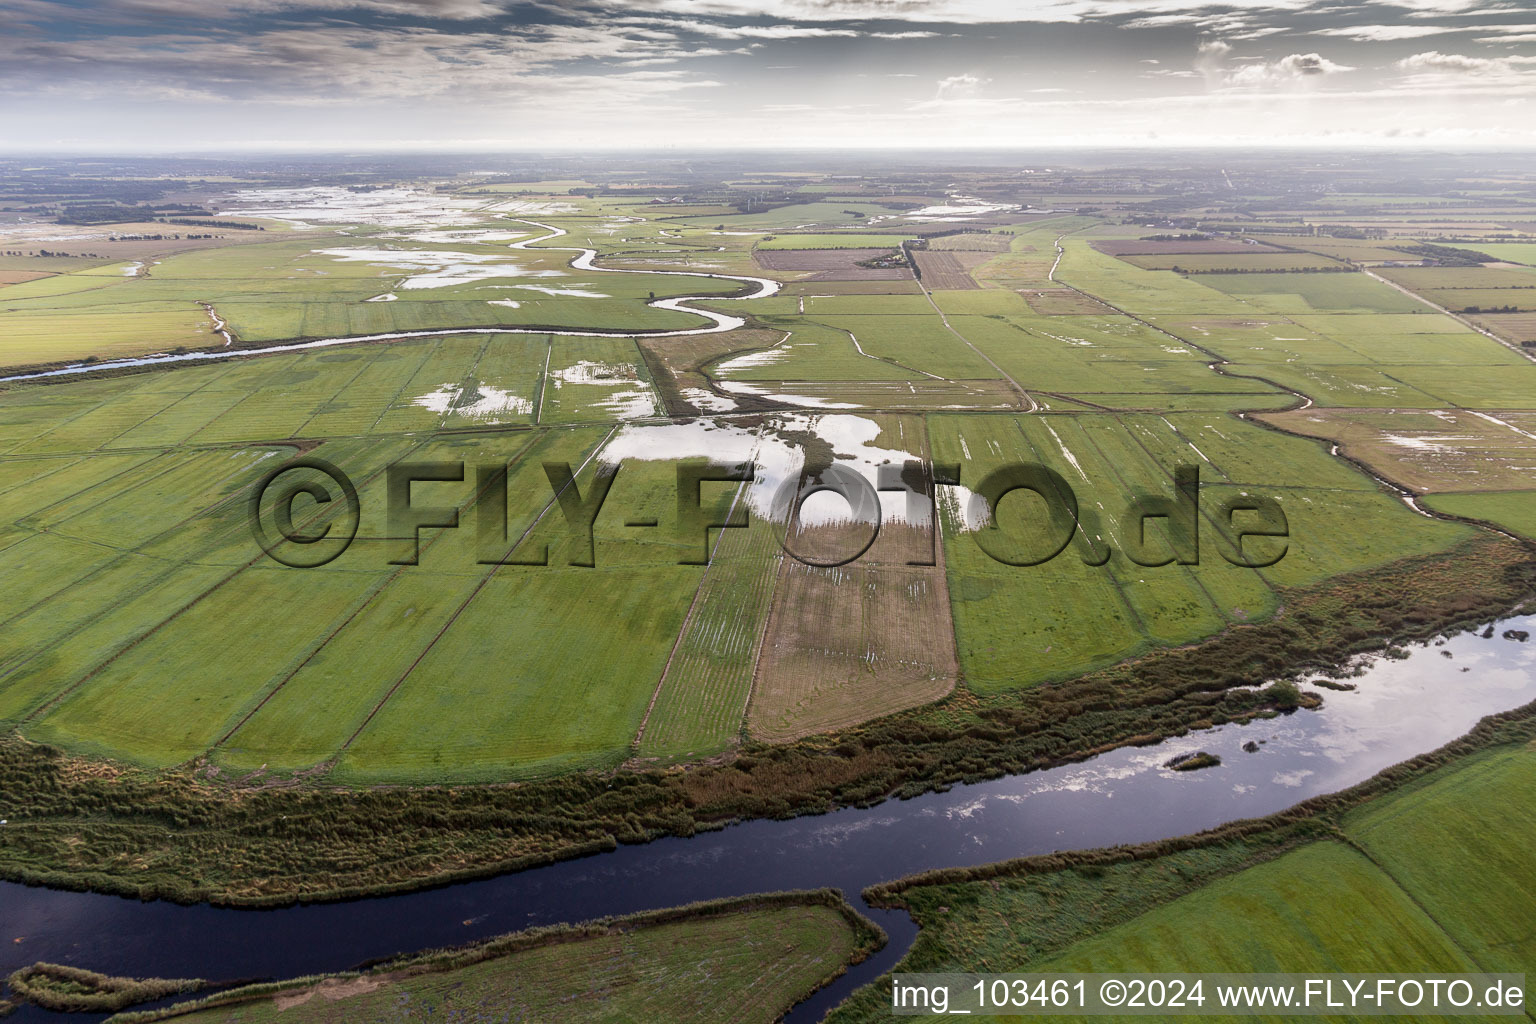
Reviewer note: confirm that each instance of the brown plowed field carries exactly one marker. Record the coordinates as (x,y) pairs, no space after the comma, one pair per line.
(948,271)
(1517,327)
(854,642)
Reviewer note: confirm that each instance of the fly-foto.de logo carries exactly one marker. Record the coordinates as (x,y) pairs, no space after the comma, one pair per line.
(307,512)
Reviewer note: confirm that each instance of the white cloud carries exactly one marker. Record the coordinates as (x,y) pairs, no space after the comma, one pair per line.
(959,87)
(1435,62)
(1294,69)
(1383,33)
(1213,60)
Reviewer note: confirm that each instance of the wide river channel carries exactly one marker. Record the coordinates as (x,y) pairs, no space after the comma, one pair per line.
(1401,708)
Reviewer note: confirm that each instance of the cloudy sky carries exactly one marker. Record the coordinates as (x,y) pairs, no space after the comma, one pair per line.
(155,75)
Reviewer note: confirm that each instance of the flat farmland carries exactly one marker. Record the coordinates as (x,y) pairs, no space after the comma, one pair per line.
(1246,262)
(1457,278)
(491,707)
(828,215)
(598,379)
(1305,293)
(913,395)
(1456,843)
(1358,250)
(1511,252)
(899,286)
(1415,882)
(1016,625)
(831,264)
(312,706)
(811,351)
(1427,450)
(869,240)
(916,339)
(455,380)
(971,241)
(1354,919)
(1476,300)
(854,642)
(700,705)
(947,271)
(1511,510)
(1129,247)
(497,659)
(55,337)
(756,960)
(1084,355)
(1062,302)
(291,289)
(1517,327)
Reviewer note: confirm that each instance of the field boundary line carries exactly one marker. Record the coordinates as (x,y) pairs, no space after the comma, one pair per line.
(538,405)
(1345,839)
(677,643)
(1032,405)
(484,580)
(180,399)
(367,364)
(426,357)
(1189,571)
(63,694)
(942,568)
(1114,579)
(121,553)
(362,606)
(1454,316)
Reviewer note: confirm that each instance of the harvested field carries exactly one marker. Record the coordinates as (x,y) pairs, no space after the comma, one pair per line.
(862,240)
(1474,300)
(970,241)
(1233,262)
(854,642)
(1149,247)
(1063,302)
(1428,450)
(1346,248)
(1517,327)
(820,286)
(21,276)
(701,701)
(1456,278)
(831,264)
(948,271)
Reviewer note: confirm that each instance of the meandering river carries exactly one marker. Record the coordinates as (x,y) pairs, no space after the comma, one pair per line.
(1401,708)
(583,261)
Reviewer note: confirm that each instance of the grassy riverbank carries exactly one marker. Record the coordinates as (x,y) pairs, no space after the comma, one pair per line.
(66,989)
(175,835)
(746,960)
(1425,867)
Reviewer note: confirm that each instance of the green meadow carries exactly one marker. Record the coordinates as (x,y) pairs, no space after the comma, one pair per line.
(128,554)
(1433,876)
